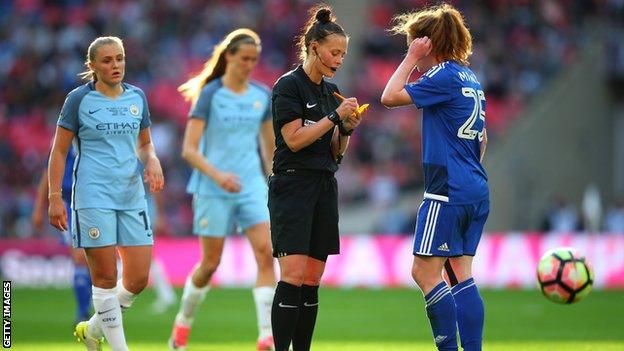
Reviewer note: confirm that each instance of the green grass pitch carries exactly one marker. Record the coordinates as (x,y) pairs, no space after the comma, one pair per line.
(354,319)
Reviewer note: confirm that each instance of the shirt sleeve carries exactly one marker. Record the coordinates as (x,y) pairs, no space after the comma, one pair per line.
(145,121)
(287,105)
(201,107)
(428,91)
(68,118)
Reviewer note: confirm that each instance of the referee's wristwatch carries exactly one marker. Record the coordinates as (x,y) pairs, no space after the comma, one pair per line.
(334,117)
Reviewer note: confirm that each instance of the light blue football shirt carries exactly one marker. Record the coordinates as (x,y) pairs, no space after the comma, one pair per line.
(230,138)
(106,132)
(453,104)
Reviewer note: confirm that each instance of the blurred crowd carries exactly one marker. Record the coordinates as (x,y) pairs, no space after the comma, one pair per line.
(614,13)
(43,46)
(589,216)
(518,46)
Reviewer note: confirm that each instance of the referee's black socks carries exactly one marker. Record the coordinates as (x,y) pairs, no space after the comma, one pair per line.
(308,308)
(285,314)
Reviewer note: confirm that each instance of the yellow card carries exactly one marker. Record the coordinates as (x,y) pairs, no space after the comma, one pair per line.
(362,108)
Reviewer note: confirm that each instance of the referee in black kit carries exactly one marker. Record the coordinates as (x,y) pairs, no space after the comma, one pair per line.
(312,127)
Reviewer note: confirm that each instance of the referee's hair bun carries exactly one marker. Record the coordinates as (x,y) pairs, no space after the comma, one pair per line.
(323,15)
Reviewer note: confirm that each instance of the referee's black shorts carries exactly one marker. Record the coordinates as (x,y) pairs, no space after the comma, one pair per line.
(303,205)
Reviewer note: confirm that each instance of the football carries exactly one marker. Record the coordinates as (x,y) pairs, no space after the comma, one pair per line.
(564,275)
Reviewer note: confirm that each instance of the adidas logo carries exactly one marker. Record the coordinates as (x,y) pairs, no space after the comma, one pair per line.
(443,247)
(438,339)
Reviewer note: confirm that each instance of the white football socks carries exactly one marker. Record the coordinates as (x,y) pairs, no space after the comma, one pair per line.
(126,298)
(192,297)
(263,297)
(164,290)
(102,297)
(108,317)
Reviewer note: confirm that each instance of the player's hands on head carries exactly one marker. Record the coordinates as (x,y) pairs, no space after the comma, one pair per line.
(419,48)
(347,107)
(153,175)
(57,213)
(228,182)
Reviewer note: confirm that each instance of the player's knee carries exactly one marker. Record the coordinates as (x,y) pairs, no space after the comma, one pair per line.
(104,281)
(420,276)
(79,261)
(136,284)
(416,274)
(78,257)
(209,266)
(461,270)
(264,250)
(264,257)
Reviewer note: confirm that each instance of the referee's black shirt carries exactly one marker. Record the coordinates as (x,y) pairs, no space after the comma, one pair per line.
(295,96)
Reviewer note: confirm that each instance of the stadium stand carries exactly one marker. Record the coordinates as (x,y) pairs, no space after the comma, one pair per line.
(42,46)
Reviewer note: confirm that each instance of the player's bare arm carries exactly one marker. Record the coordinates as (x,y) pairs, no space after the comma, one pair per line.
(483,145)
(395,95)
(56,212)
(190,152)
(37,216)
(153,173)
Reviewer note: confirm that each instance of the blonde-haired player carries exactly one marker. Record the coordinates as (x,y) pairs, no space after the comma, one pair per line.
(229,113)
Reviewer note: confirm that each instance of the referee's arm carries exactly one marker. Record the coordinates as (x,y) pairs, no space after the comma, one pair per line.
(340,141)
(298,137)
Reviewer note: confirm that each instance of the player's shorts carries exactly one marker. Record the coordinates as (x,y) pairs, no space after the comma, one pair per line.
(447,230)
(97,227)
(304,213)
(215,216)
(152,209)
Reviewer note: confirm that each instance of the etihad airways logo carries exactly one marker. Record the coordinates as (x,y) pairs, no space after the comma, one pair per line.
(118,127)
